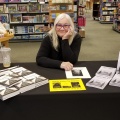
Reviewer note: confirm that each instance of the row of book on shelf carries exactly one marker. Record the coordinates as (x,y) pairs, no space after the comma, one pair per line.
(40,1)
(107,18)
(34,7)
(29,37)
(24,8)
(18,1)
(19,18)
(37,28)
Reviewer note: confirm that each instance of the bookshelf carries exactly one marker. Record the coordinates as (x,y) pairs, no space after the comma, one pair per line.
(28,18)
(96,11)
(107,8)
(57,7)
(116,21)
(32,19)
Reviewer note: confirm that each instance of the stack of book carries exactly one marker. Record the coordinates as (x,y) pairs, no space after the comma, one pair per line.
(16,80)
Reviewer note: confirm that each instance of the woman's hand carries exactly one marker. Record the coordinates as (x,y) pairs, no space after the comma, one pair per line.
(68,34)
(66,65)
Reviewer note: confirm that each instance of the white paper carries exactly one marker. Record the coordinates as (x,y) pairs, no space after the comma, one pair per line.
(107,72)
(78,72)
(98,82)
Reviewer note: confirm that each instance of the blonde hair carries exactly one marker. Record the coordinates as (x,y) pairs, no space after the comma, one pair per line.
(53,33)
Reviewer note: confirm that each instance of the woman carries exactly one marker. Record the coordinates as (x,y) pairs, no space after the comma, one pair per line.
(60,48)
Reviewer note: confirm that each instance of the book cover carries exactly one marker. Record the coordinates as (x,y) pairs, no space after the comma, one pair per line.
(4,18)
(34,7)
(39,28)
(12,8)
(6,92)
(1,9)
(66,85)
(25,19)
(15,18)
(30,29)
(44,8)
(23,8)
(36,37)
(63,7)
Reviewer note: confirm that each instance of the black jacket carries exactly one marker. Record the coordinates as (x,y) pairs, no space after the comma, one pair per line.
(47,56)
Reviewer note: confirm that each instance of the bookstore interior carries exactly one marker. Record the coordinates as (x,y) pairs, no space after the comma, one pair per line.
(30,20)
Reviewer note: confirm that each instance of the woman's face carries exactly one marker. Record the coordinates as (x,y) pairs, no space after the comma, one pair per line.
(62,27)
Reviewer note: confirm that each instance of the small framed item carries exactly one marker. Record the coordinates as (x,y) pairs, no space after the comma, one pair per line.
(39,28)
(12,8)
(23,8)
(16,18)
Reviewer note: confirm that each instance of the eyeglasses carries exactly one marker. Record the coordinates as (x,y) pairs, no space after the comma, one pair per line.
(65,26)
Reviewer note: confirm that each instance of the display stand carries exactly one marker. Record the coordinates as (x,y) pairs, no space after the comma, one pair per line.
(5,40)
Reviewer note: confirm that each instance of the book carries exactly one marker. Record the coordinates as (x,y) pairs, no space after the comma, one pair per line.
(39,28)
(22,8)
(16,18)
(12,8)
(30,29)
(36,37)
(44,8)
(16,80)
(4,18)
(66,85)
(25,19)
(102,77)
(3,1)
(1,9)
(25,37)
(6,92)
(34,7)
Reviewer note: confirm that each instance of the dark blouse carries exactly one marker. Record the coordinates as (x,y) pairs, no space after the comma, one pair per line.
(47,56)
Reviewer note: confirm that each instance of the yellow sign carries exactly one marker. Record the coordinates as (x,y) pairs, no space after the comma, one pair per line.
(66,85)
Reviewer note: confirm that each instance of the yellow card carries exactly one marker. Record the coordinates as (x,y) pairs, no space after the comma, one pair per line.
(66,85)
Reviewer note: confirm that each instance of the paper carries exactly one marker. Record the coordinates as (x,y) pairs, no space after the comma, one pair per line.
(78,72)
(66,85)
(98,82)
(102,77)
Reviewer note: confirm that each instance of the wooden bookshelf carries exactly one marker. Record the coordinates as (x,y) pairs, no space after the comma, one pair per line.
(58,8)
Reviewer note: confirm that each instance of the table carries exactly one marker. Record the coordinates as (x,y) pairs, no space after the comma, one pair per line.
(40,104)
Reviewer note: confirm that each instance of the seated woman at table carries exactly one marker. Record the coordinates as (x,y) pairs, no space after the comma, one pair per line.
(61,47)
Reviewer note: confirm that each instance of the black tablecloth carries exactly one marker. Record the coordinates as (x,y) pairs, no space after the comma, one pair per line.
(40,104)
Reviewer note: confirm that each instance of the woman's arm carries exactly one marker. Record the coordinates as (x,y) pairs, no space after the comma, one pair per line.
(44,54)
(71,53)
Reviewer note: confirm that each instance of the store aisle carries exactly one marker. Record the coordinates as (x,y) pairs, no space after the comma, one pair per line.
(100,43)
